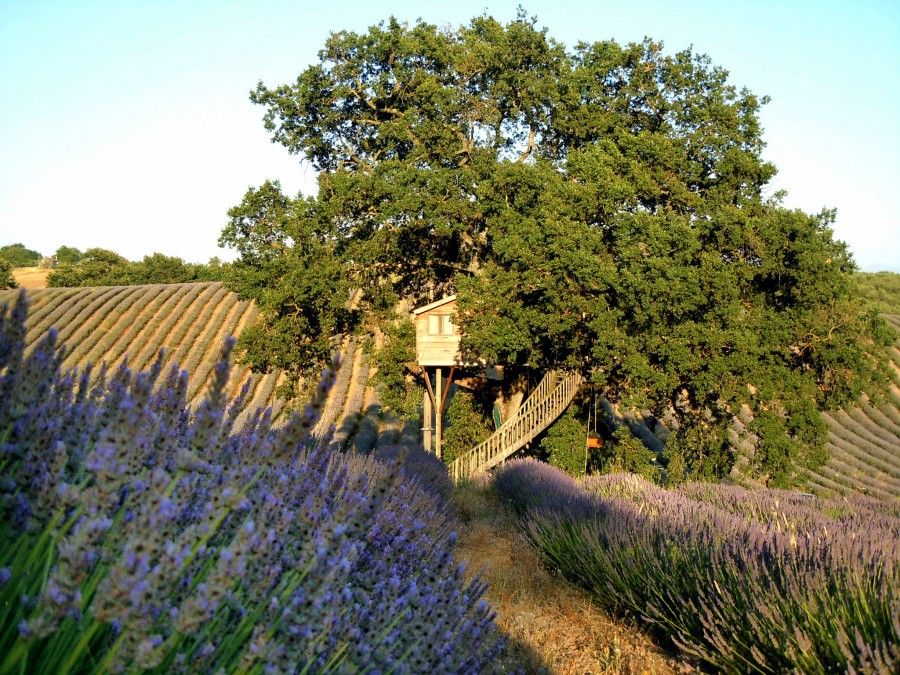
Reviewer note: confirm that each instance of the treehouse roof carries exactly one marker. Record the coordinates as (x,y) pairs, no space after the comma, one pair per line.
(434,305)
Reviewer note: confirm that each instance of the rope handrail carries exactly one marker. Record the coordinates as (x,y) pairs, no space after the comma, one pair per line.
(547,402)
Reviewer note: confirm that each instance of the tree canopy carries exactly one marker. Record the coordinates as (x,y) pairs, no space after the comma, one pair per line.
(67,255)
(102,267)
(19,256)
(599,208)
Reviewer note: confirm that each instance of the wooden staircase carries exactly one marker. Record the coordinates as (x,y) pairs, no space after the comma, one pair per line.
(547,402)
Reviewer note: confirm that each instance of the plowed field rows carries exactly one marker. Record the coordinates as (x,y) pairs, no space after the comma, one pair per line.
(864,443)
(191,322)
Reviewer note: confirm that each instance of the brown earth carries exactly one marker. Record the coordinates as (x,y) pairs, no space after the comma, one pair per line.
(31,277)
(551,625)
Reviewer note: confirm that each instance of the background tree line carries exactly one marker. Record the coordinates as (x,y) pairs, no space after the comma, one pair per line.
(101,267)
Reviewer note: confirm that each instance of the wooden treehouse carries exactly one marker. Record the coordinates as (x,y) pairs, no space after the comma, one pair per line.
(438,348)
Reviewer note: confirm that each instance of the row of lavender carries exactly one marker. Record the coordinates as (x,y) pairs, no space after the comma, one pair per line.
(139,536)
(743,581)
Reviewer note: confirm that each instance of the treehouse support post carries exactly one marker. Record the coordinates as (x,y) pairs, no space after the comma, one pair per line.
(426,419)
(438,408)
(437,346)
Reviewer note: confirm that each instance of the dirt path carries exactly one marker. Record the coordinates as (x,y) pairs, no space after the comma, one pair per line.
(551,625)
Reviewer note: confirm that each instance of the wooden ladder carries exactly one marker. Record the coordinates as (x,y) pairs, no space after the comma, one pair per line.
(547,402)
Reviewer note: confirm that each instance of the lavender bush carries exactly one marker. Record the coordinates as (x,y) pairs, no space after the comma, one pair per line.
(138,536)
(744,581)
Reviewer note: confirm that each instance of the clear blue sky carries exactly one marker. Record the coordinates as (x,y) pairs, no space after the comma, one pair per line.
(127,125)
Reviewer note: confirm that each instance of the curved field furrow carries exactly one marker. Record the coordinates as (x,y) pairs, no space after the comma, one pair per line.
(836,474)
(202,357)
(864,419)
(187,338)
(83,333)
(848,456)
(247,410)
(62,307)
(148,331)
(192,321)
(113,345)
(109,297)
(861,445)
(880,462)
(337,396)
(845,425)
(265,393)
(163,330)
(891,413)
(861,479)
(864,441)
(87,348)
(37,304)
(178,339)
(879,417)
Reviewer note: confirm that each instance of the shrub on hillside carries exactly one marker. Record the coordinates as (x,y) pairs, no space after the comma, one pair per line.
(6,277)
(137,535)
(626,452)
(464,425)
(565,444)
(763,581)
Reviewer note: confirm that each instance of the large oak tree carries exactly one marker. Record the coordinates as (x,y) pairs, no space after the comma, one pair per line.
(598,208)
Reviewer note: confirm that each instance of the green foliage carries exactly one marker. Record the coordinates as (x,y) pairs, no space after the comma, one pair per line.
(97,267)
(881,290)
(465,426)
(19,256)
(101,267)
(565,443)
(290,266)
(398,388)
(6,277)
(67,255)
(599,208)
(625,453)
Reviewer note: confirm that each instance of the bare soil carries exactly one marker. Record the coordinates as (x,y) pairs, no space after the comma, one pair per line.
(551,625)
(31,277)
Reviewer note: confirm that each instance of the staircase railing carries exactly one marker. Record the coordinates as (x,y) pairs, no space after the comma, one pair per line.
(547,402)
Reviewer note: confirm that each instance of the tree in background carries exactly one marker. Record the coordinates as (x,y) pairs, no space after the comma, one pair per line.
(19,256)
(6,277)
(97,267)
(101,267)
(67,255)
(597,208)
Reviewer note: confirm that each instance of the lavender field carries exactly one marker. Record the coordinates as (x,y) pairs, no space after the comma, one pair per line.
(140,535)
(741,580)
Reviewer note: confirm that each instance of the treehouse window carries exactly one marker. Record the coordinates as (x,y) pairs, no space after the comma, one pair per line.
(446,325)
(440,324)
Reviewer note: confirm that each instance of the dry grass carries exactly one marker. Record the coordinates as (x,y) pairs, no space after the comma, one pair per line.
(551,625)
(31,277)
